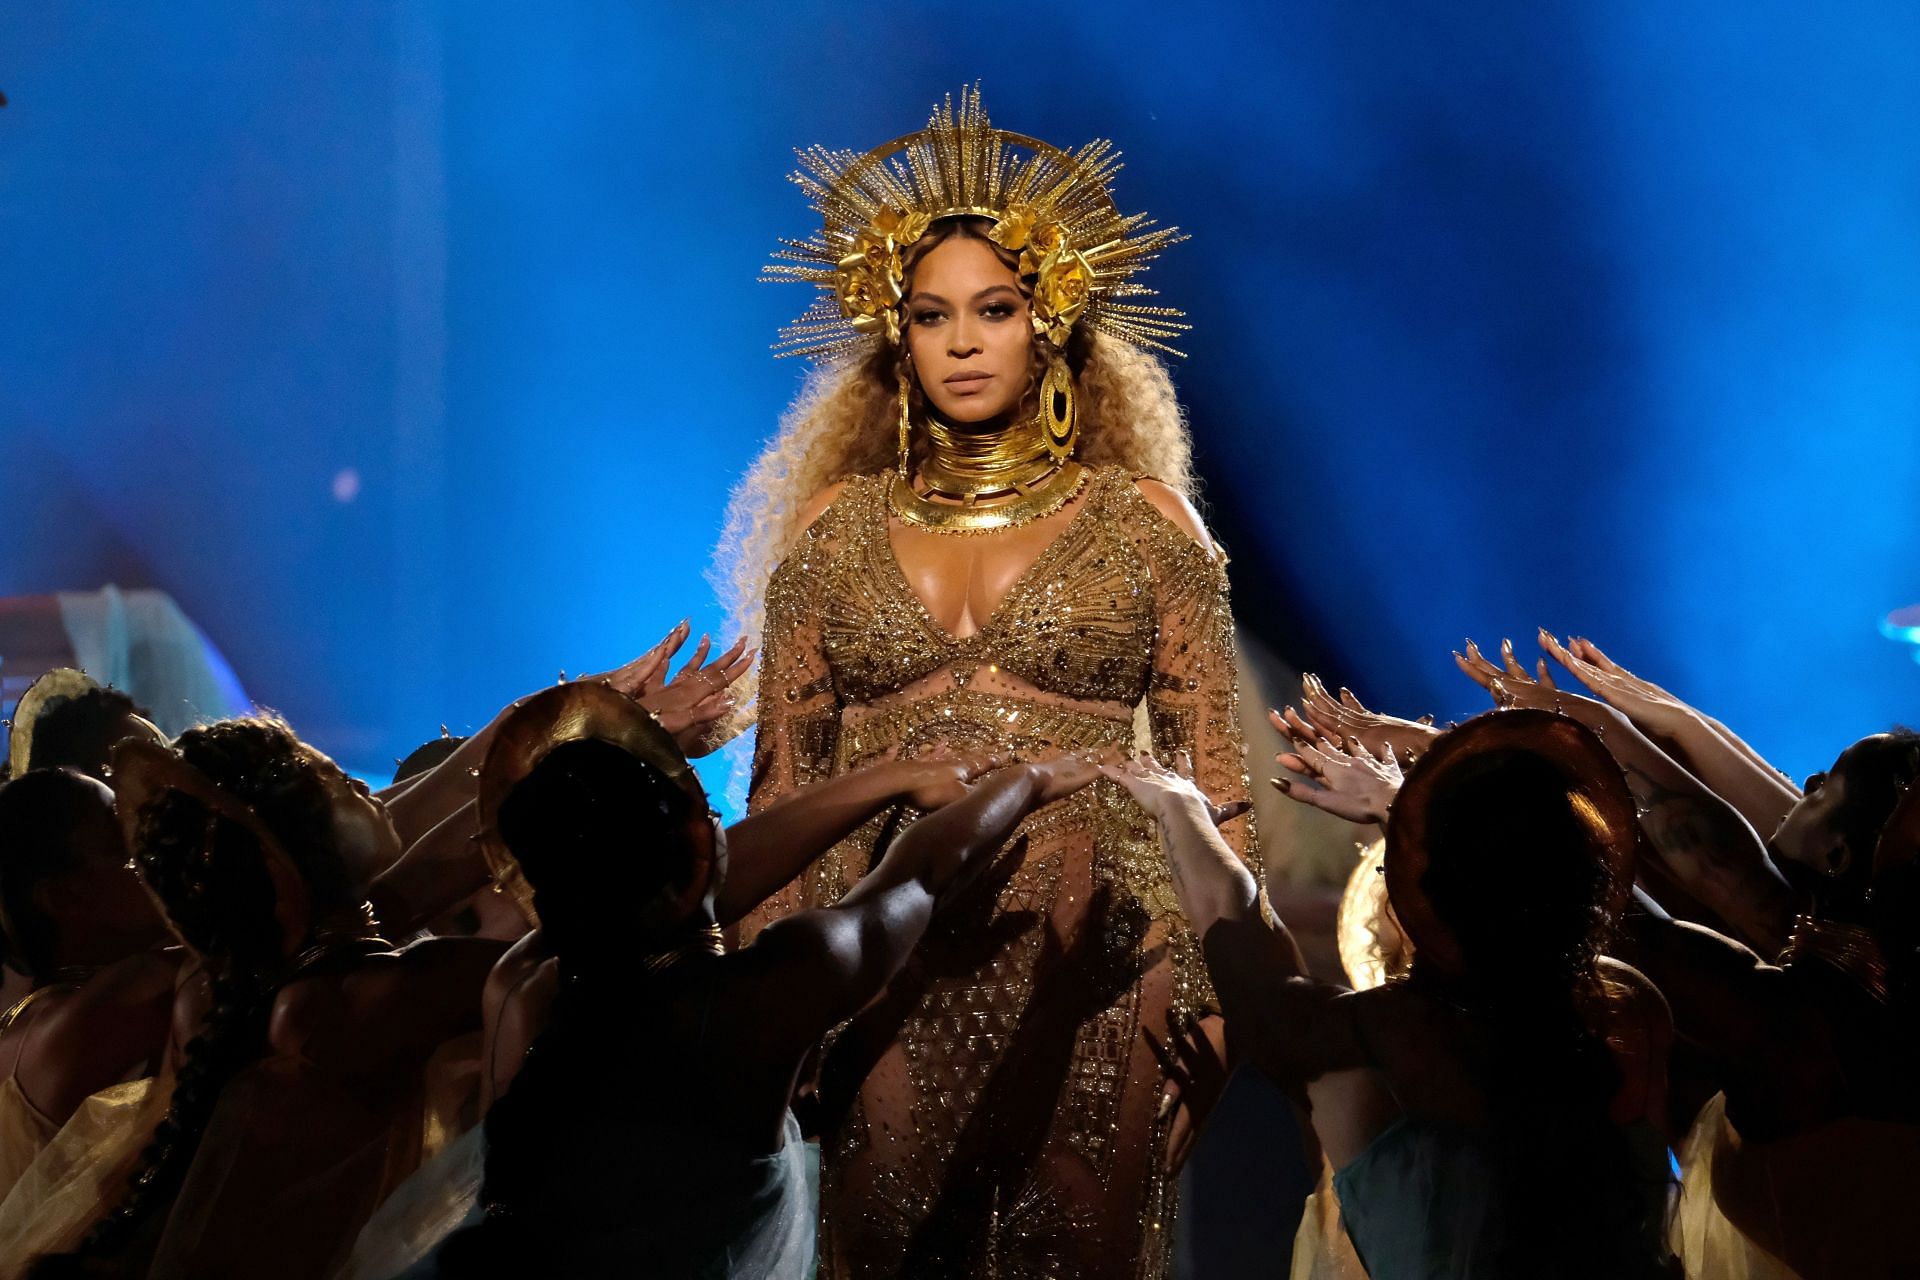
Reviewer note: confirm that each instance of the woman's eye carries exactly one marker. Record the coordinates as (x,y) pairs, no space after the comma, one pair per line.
(925,317)
(997,310)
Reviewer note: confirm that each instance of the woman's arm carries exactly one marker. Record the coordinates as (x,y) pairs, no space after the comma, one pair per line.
(818,968)
(798,728)
(515,1002)
(1193,701)
(390,1012)
(767,849)
(1291,1025)
(1728,766)
(437,873)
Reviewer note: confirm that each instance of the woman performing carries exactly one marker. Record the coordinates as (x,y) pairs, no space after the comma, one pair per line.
(979,509)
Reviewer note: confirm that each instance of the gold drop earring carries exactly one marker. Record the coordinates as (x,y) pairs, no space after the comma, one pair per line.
(1057,415)
(906,414)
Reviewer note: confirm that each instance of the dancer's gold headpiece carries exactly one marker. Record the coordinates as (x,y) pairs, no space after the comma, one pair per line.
(1051,207)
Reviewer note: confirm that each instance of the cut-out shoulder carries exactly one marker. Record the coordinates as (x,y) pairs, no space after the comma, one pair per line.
(1179,512)
(819,502)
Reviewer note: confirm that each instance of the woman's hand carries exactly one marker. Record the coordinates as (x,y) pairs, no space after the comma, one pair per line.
(1165,794)
(696,703)
(1513,686)
(1063,775)
(646,671)
(1348,782)
(1656,711)
(939,778)
(1195,1062)
(1338,719)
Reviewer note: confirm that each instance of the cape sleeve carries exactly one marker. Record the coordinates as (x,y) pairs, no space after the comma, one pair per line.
(798,727)
(1193,700)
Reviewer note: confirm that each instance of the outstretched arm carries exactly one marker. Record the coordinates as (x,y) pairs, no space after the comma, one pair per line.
(1718,990)
(819,967)
(767,849)
(690,706)
(1732,769)
(1291,1025)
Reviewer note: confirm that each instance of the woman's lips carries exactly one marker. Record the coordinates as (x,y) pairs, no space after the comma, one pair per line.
(967,383)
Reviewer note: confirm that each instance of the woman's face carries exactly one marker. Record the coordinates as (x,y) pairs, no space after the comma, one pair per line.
(102,886)
(968,332)
(363,832)
(1810,845)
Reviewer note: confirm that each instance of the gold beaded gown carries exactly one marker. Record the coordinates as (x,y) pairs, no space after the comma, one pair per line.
(995,1113)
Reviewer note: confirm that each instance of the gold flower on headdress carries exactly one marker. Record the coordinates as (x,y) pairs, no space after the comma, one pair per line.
(901,228)
(1014,229)
(1062,293)
(871,277)
(1043,241)
(860,299)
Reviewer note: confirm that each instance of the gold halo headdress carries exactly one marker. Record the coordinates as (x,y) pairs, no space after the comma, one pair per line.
(1595,787)
(144,772)
(584,709)
(1052,207)
(52,690)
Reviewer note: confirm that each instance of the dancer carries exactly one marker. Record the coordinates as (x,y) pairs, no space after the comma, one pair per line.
(980,513)
(1499,1111)
(74,918)
(296,1101)
(590,805)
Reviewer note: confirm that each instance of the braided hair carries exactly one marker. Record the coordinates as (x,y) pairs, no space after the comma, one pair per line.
(207,873)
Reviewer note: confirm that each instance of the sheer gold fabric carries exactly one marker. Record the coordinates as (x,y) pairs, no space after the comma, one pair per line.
(1834,1202)
(24,1130)
(996,1112)
(288,1170)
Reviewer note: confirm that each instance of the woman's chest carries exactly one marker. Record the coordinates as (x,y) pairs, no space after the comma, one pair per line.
(1066,606)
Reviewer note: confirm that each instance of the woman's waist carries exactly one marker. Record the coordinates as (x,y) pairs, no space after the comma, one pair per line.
(965,720)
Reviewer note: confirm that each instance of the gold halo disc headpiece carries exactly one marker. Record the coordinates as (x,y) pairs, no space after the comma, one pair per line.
(1595,787)
(1052,207)
(585,709)
(50,691)
(143,772)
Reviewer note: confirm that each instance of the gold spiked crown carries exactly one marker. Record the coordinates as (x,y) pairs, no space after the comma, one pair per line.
(1052,207)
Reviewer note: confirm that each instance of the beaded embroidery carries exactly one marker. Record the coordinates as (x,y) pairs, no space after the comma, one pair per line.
(1121,610)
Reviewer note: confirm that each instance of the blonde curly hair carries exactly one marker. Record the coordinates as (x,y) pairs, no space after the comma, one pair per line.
(845,423)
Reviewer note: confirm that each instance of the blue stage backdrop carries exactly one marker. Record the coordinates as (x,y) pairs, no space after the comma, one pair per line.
(413,346)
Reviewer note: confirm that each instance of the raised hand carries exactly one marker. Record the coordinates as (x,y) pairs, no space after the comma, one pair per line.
(645,672)
(1512,685)
(696,703)
(1337,719)
(1348,782)
(1645,703)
